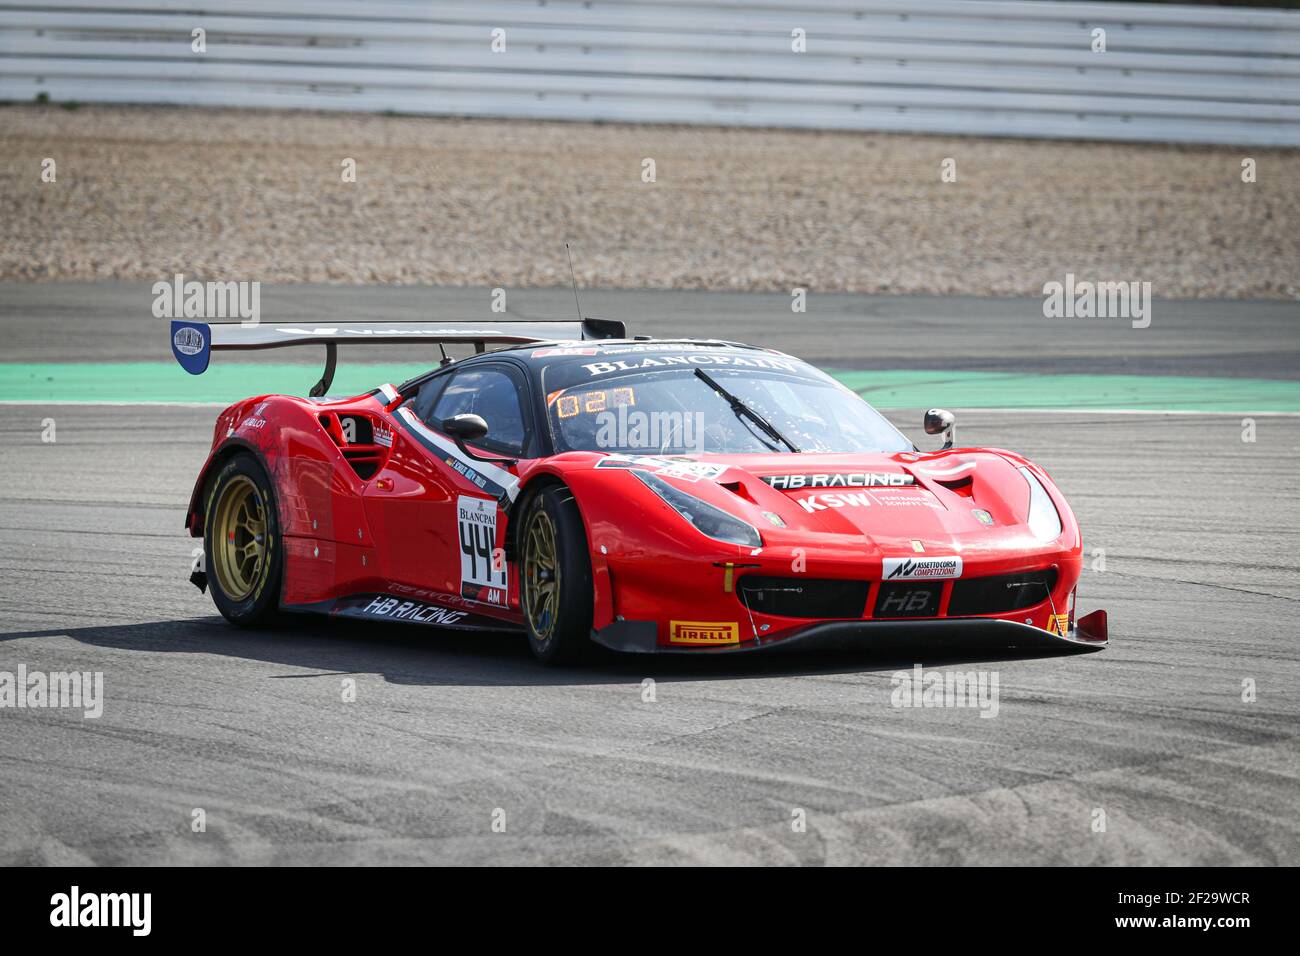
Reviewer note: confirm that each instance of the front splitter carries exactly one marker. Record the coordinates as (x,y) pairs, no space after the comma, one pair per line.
(642,637)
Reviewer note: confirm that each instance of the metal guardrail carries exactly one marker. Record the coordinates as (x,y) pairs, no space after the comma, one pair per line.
(1168,73)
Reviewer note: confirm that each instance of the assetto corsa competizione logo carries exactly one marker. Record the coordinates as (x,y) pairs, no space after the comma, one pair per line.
(912,569)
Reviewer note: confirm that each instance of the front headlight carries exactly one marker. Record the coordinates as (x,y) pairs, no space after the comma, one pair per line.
(1044,522)
(708,520)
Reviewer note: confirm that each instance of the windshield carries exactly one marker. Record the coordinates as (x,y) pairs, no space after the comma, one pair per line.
(674,411)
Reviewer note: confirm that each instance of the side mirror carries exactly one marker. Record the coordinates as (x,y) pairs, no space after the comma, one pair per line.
(939,421)
(465,427)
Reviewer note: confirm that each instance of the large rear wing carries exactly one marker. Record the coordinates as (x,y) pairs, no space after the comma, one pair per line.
(194,342)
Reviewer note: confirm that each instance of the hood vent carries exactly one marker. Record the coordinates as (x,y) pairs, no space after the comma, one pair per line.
(958,478)
(739,490)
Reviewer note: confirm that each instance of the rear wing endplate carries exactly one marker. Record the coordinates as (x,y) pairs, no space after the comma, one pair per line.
(194,342)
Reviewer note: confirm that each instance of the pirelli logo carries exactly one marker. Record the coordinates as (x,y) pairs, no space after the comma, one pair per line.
(704,632)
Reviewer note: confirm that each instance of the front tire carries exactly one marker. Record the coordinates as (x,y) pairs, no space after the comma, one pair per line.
(241,542)
(555,580)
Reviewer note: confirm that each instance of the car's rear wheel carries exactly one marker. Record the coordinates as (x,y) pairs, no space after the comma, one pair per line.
(556,578)
(241,542)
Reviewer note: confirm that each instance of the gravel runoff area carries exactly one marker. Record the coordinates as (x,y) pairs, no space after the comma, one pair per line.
(143,193)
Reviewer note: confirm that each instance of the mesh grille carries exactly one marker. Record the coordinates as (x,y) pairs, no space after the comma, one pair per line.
(997,595)
(803,597)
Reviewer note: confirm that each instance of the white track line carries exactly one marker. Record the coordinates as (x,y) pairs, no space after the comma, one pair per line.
(1119,411)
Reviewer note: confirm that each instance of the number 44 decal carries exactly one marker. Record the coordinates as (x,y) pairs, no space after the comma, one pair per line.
(483,572)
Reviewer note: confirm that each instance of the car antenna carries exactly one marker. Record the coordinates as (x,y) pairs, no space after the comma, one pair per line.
(574,280)
(445,359)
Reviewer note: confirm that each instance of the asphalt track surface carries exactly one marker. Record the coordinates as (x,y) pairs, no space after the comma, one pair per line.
(1199,533)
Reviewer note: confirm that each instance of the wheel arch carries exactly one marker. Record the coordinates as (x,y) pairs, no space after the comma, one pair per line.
(519,507)
(601,576)
(228,449)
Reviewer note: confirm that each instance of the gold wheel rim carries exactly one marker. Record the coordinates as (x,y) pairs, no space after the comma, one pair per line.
(239,545)
(541,576)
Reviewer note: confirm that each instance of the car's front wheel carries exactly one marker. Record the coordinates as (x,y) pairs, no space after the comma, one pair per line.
(241,542)
(556,578)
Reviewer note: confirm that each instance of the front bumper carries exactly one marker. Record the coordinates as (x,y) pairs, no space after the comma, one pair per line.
(964,634)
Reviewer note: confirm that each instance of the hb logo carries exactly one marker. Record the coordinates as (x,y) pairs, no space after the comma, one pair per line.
(905,602)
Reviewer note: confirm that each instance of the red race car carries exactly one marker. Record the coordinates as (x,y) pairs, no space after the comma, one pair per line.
(652,496)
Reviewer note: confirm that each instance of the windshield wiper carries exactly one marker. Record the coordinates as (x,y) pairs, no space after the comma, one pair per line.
(744,411)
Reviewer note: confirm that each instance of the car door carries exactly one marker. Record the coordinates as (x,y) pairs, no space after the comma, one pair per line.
(441,511)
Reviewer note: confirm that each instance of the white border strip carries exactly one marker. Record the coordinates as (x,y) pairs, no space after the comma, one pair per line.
(499,475)
(945,472)
(1116,411)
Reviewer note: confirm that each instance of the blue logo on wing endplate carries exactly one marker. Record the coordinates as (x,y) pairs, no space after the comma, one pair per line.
(192,345)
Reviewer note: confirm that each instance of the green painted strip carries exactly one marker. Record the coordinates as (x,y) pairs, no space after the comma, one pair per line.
(922,389)
(151,382)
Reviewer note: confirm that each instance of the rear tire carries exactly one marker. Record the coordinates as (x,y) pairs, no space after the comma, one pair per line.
(555,578)
(242,550)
